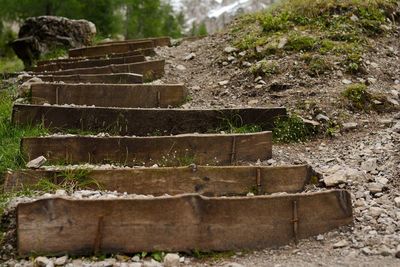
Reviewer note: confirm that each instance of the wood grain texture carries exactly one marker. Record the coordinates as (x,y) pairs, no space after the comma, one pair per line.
(183,223)
(158,41)
(150,69)
(89,63)
(144,52)
(101,50)
(103,95)
(117,78)
(205,180)
(141,121)
(212,149)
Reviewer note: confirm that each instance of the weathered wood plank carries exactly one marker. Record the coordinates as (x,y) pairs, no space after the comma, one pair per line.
(112,78)
(109,49)
(144,52)
(142,121)
(59,226)
(103,95)
(90,63)
(211,149)
(149,69)
(205,180)
(158,41)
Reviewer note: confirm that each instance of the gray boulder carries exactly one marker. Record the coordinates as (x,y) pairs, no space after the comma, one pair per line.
(40,35)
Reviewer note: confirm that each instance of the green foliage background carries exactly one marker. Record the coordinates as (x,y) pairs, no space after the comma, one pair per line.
(130,18)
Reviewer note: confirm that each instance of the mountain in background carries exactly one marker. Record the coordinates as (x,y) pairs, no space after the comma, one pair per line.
(216,13)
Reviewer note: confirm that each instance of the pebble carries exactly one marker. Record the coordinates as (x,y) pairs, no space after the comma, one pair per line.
(36,163)
(397,202)
(152,263)
(341,244)
(180,67)
(345,81)
(171,260)
(375,187)
(230,49)
(43,262)
(222,83)
(61,261)
(349,126)
(190,56)
(375,211)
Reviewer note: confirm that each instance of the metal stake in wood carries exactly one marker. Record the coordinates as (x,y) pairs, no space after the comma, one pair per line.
(233,151)
(258,180)
(295,222)
(99,236)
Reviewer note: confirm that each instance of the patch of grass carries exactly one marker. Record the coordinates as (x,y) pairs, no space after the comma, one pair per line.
(297,42)
(11,64)
(358,96)
(55,53)
(292,129)
(319,65)
(216,256)
(10,135)
(265,68)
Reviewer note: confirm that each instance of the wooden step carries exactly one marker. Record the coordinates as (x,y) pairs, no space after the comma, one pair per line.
(149,69)
(101,50)
(104,95)
(57,226)
(117,78)
(90,63)
(205,180)
(144,52)
(143,122)
(158,41)
(201,149)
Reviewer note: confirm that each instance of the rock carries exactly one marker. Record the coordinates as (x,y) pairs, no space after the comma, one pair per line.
(341,244)
(366,251)
(231,58)
(222,83)
(25,88)
(381,180)
(369,165)
(36,163)
(135,264)
(375,211)
(385,251)
(135,258)
(253,102)
(397,202)
(349,126)
(395,94)
(397,254)
(230,49)
(40,35)
(320,237)
(43,262)
(233,264)
(152,263)
(375,188)
(61,261)
(339,174)
(282,42)
(322,117)
(310,122)
(392,101)
(396,127)
(278,86)
(180,67)
(190,56)
(171,260)
(246,64)
(345,81)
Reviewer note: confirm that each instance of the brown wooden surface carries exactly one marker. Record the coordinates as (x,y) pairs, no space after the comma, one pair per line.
(212,149)
(109,49)
(112,78)
(104,95)
(150,69)
(142,121)
(90,63)
(144,52)
(205,180)
(158,41)
(59,226)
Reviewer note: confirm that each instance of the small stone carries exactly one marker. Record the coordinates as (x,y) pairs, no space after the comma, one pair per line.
(180,67)
(354,18)
(392,101)
(152,263)
(36,163)
(345,81)
(341,244)
(43,262)
(231,58)
(397,254)
(371,80)
(253,102)
(375,211)
(242,54)
(396,127)
(322,117)
(375,188)
(135,264)
(366,251)
(246,64)
(320,237)
(282,42)
(230,49)
(190,56)
(349,126)
(136,258)
(60,192)
(233,264)
(382,180)
(171,260)
(222,83)
(369,165)
(61,261)
(397,202)
(385,251)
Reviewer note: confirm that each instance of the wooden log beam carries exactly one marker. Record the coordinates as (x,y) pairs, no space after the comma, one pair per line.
(205,180)
(211,149)
(158,41)
(103,95)
(90,63)
(57,226)
(117,78)
(143,122)
(101,50)
(149,69)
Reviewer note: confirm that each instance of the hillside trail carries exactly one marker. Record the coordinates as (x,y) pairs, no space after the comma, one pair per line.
(373,148)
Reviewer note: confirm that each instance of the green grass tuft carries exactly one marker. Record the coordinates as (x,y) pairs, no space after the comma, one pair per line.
(292,129)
